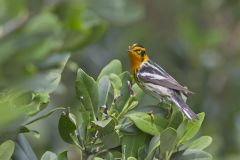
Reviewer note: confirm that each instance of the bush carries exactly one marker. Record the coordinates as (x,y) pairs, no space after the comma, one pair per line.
(109,124)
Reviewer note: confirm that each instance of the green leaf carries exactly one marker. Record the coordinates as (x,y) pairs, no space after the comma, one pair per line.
(122,12)
(105,126)
(87,92)
(124,91)
(201,143)
(153,145)
(34,119)
(49,80)
(131,144)
(176,120)
(137,91)
(188,129)
(168,140)
(151,124)
(49,156)
(39,101)
(62,156)
(107,133)
(192,154)
(111,140)
(131,158)
(116,83)
(24,129)
(83,120)
(67,127)
(97,158)
(104,86)
(6,150)
(114,66)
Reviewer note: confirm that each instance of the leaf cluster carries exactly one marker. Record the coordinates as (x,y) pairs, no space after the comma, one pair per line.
(110,125)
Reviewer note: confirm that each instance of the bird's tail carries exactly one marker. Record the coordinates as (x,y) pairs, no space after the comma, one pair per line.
(186,110)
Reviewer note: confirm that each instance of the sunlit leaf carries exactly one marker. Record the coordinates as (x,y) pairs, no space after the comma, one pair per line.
(6,150)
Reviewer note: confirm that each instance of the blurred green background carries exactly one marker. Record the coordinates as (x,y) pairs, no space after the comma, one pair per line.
(195,41)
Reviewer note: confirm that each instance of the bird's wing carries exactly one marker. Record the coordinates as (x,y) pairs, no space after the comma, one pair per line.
(150,72)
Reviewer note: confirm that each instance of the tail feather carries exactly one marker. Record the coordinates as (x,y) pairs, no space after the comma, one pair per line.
(186,110)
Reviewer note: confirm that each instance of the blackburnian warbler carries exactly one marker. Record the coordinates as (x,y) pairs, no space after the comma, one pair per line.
(155,80)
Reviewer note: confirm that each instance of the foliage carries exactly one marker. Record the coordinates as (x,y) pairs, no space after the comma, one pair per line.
(109,125)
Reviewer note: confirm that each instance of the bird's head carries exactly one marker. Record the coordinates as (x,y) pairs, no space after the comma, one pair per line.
(137,55)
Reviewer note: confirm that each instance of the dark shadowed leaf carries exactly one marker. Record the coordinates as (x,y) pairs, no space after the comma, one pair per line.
(62,156)
(67,127)
(176,120)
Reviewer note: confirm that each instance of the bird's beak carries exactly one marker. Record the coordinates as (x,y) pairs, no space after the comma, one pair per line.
(129,49)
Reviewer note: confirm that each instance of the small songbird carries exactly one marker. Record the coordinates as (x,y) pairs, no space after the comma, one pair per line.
(155,80)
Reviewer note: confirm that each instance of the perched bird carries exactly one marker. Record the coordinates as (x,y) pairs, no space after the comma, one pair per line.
(155,80)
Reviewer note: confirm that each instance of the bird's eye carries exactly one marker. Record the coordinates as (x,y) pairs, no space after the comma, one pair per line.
(139,51)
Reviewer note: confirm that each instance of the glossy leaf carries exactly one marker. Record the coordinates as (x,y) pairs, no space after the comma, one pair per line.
(87,92)
(188,129)
(67,127)
(201,143)
(6,150)
(151,124)
(62,156)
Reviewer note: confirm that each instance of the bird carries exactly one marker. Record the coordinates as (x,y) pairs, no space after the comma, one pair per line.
(154,80)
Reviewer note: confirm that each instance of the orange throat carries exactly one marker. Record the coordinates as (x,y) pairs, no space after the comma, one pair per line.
(136,61)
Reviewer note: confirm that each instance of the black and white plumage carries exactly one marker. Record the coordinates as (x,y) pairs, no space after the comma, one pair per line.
(155,80)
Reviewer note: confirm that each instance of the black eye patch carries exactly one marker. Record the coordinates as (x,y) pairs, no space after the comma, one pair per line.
(142,53)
